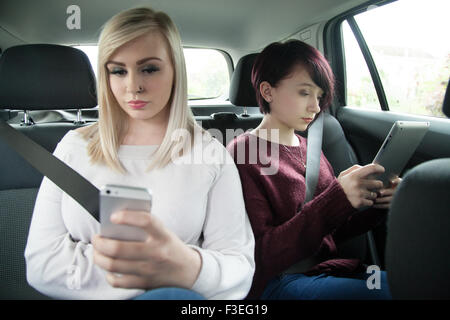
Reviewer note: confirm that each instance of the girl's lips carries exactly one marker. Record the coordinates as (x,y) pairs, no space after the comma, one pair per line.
(137,104)
(308,119)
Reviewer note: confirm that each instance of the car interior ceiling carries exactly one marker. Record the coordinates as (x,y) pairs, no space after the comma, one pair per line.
(206,23)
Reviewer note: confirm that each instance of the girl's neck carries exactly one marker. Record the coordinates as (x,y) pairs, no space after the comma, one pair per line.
(266,130)
(146,131)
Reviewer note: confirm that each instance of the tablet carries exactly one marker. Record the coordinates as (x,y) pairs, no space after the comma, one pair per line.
(398,147)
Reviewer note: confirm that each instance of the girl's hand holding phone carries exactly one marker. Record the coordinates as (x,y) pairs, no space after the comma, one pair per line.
(161,260)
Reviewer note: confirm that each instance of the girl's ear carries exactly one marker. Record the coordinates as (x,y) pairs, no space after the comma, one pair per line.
(266,91)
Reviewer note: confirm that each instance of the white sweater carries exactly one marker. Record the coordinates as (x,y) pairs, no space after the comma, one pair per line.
(191,199)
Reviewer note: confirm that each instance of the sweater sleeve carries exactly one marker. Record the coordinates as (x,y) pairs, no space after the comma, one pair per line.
(56,264)
(359,222)
(280,246)
(227,250)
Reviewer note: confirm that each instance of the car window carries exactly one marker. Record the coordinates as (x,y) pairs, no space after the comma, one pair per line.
(360,89)
(207,72)
(408,42)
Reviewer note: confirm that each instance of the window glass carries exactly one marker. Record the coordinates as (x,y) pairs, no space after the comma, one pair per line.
(91,52)
(408,40)
(360,89)
(207,72)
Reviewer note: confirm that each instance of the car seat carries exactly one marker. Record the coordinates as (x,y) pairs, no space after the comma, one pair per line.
(418,241)
(34,77)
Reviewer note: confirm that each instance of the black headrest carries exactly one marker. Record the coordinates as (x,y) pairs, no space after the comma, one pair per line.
(43,77)
(446,104)
(241,88)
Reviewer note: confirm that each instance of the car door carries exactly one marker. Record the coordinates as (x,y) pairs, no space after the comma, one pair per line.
(391,63)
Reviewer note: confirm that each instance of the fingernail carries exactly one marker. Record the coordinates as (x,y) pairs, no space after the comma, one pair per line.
(114,217)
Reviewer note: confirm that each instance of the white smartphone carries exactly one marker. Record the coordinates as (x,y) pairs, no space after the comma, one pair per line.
(114,198)
(398,147)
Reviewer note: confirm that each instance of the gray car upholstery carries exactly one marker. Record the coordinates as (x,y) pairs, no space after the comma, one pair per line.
(33,77)
(418,241)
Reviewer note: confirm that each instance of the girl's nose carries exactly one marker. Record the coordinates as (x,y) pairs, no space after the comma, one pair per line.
(133,84)
(314,105)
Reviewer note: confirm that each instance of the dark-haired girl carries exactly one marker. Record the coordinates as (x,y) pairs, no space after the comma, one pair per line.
(296,255)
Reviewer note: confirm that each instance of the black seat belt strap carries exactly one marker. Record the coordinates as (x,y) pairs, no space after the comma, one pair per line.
(70,181)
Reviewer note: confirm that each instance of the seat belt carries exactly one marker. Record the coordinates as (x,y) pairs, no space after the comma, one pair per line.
(313,152)
(70,181)
(314,148)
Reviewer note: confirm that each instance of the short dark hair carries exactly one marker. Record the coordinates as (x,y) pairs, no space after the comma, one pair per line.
(278,60)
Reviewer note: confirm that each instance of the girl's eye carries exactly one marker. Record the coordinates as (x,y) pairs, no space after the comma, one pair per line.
(117,71)
(150,69)
(304,93)
(122,72)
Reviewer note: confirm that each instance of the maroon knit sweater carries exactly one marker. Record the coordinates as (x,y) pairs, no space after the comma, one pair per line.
(282,236)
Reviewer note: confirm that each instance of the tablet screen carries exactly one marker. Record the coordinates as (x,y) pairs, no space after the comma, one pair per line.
(398,147)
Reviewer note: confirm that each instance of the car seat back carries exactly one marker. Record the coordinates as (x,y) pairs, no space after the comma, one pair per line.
(33,77)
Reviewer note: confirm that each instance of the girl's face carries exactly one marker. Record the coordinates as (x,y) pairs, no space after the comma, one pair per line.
(141,77)
(294,102)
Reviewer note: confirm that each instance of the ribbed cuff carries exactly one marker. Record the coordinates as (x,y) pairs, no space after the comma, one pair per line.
(333,204)
(209,274)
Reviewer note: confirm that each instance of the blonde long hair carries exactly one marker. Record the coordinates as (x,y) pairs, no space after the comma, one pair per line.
(106,136)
